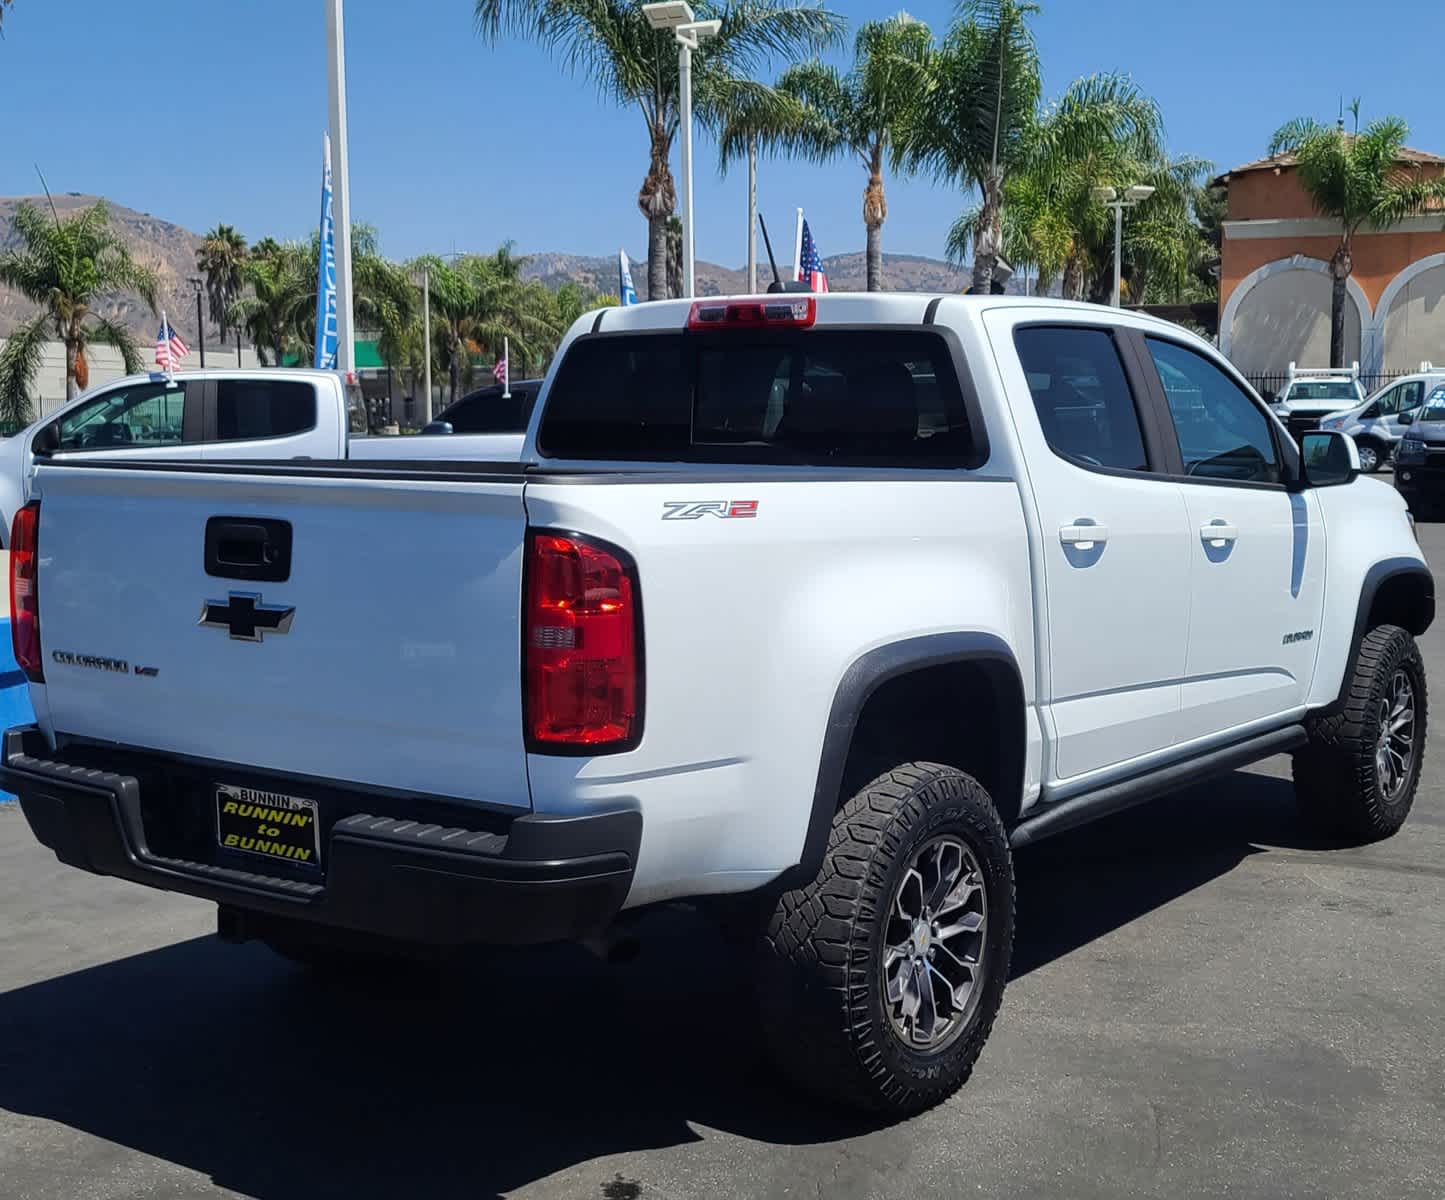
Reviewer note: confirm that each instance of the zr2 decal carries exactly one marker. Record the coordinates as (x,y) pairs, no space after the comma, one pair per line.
(693,510)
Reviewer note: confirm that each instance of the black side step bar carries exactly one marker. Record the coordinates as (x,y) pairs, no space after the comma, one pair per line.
(1116,797)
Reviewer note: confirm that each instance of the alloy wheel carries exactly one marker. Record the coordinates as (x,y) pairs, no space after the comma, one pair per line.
(933,960)
(1395,747)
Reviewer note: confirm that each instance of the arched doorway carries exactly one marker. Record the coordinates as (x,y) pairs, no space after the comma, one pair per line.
(1280,314)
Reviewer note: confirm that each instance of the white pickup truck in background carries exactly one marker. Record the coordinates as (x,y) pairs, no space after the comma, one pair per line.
(806,610)
(235,414)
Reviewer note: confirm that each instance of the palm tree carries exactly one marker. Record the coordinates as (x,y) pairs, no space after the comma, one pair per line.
(1099,131)
(4,4)
(279,313)
(853,114)
(66,267)
(479,302)
(222,259)
(282,283)
(974,122)
(635,64)
(1358,180)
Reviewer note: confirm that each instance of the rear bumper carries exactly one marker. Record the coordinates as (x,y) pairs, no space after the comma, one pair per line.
(533,879)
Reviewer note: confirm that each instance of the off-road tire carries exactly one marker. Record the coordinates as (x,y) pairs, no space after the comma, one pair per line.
(820,962)
(1336,783)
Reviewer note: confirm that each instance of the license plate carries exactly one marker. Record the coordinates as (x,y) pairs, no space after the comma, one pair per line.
(268,824)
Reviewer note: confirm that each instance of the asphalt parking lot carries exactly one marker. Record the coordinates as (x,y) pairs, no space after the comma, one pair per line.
(1205,1002)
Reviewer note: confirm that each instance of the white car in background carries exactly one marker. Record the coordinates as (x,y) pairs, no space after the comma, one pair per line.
(1375,425)
(1312,393)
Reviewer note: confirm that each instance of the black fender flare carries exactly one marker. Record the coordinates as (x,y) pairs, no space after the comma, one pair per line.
(864,677)
(1381,573)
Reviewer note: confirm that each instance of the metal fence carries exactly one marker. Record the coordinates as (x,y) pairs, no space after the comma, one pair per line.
(1270,383)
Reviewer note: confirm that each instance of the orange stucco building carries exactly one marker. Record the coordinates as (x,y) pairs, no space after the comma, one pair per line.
(1274,286)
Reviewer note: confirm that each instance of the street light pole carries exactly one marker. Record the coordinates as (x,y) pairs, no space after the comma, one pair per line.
(341,195)
(426,344)
(1110,198)
(677,16)
(1118,292)
(200,322)
(684,74)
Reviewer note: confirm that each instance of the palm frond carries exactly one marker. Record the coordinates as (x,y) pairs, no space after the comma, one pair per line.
(1289,137)
(20,359)
(112,333)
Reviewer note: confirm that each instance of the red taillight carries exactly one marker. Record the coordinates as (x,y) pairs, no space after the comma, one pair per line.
(795,312)
(24,593)
(580,651)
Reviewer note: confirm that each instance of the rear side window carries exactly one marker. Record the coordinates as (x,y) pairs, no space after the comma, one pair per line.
(1082,396)
(247,409)
(880,397)
(489,412)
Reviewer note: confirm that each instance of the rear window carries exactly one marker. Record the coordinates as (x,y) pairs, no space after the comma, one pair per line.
(247,409)
(488,411)
(1322,390)
(885,397)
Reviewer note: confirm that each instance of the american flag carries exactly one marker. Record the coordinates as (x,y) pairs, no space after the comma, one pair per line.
(499,372)
(170,347)
(810,263)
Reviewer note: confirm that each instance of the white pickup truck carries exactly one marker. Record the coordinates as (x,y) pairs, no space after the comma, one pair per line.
(232,414)
(810,610)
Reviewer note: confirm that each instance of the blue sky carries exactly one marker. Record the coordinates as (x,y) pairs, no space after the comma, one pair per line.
(199,112)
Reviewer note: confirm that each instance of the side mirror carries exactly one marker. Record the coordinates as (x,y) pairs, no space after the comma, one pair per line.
(1328,459)
(1407,418)
(439,427)
(46,441)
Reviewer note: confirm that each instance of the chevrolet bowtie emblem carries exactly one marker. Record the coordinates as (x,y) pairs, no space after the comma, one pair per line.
(245,618)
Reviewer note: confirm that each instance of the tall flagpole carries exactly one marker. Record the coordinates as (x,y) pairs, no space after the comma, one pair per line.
(341,172)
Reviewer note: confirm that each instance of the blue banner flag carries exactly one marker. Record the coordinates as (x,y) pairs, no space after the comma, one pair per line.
(326,272)
(624,279)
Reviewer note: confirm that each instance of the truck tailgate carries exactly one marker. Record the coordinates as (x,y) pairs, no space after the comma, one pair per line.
(388,655)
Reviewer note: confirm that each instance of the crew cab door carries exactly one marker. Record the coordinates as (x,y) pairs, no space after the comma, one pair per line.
(148,418)
(1114,542)
(1257,550)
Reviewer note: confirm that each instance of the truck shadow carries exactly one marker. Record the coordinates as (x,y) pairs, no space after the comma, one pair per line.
(480,1080)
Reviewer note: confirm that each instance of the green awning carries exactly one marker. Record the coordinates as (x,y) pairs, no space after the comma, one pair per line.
(368,357)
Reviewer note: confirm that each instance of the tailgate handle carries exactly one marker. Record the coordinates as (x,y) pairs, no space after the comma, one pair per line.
(253,548)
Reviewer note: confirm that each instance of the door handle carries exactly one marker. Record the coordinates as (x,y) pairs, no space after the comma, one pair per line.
(1218,534)
(1084,537)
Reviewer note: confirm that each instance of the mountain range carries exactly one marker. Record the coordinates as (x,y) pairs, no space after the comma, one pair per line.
(170,250)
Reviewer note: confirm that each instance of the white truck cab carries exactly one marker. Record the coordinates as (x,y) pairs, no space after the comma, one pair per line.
(1375,424)
(1311,393)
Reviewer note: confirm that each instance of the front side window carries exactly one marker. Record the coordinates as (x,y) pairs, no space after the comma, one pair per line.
(1082,396)
(817,396)
(1222,433)
(249,409)
(1410,396)
(143,414)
